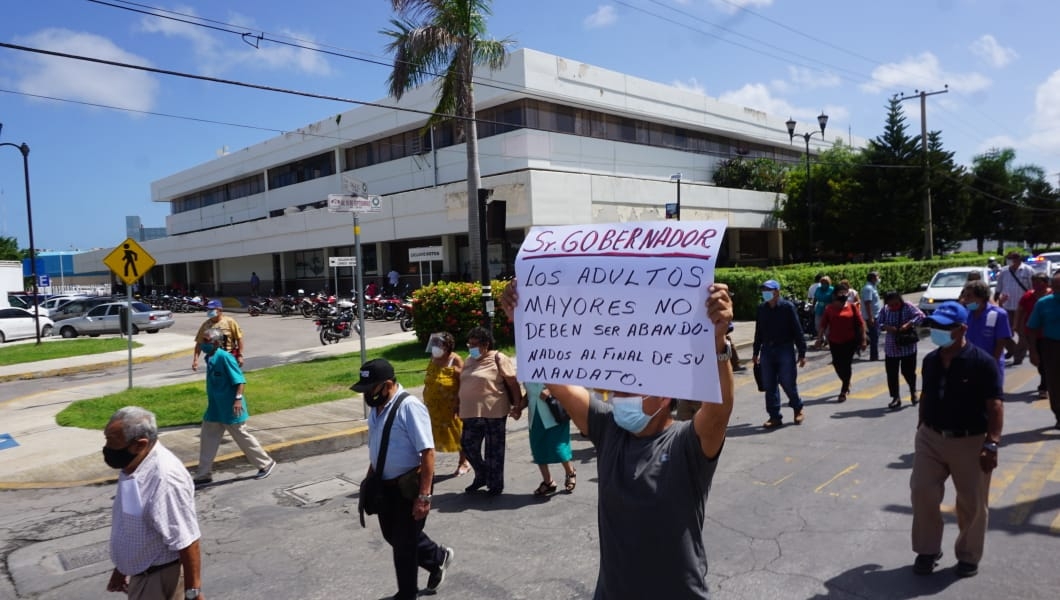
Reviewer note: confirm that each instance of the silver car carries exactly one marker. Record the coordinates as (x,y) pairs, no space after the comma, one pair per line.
(106,318)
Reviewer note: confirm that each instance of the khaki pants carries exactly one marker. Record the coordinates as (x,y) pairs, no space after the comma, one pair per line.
(163,584)
(935,459)
(210,440)
(1017,344)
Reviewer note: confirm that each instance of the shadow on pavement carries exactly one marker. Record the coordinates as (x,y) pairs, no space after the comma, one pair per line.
(873,581)
(875,412)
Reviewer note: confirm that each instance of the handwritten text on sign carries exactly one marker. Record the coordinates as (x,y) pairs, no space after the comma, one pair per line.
(620,307)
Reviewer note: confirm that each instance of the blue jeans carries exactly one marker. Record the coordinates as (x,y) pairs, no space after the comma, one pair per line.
(778,367)
(873,332)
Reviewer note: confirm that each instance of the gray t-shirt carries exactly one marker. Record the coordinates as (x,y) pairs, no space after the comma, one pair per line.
(652,496)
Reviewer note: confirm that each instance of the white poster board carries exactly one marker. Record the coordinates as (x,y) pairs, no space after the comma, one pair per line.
(619,306)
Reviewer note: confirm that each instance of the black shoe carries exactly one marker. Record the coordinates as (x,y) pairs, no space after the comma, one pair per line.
(967,569)
(437,576)
(474,487)
(202,480)
(773,424)
(494,491)
(925,563)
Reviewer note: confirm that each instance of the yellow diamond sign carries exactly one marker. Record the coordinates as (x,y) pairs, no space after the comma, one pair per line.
(129,261)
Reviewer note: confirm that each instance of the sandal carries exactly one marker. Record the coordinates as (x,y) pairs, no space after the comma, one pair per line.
(546,488)
(570,482)
(895,404)
(462,469)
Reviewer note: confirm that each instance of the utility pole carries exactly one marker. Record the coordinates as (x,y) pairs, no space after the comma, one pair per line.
(929,235)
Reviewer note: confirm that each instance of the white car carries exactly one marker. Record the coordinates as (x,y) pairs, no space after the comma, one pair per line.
(54,303)
(1053,258)
(947,285)
(19,323)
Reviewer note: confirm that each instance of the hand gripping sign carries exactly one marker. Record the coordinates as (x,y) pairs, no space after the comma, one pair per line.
(620,306)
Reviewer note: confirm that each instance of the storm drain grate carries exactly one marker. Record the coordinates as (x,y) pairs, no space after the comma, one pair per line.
(84,556)
(322,491)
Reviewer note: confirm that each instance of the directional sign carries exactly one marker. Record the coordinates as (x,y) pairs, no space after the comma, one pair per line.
(357,204)
(353,186)
(425,254)
(342,261)
(129,261)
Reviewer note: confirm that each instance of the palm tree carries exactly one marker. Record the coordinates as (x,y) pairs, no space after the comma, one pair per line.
(445,39)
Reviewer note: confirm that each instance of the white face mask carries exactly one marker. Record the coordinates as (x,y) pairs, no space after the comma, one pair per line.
(437,351)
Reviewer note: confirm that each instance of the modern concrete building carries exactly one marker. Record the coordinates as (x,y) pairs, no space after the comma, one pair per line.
(561,142)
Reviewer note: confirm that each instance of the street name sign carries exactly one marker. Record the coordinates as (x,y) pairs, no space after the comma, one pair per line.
(355,204)
(425,254)
(342,261)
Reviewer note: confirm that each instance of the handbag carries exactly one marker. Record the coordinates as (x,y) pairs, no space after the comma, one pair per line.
(757,370)
(907,337)
(372,497)
(559,413)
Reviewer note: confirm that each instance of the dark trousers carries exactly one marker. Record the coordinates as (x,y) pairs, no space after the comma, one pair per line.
(488,464)
(412,548)
(1042,384)
(1050,360)
(778,368)
(907,364)
(873,332)
(842,361)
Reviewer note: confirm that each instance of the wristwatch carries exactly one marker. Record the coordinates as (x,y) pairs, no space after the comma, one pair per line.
(727,355)
(191,593)
(424,498)
(990,446)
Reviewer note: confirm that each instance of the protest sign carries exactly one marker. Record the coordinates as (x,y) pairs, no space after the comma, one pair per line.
(619,306)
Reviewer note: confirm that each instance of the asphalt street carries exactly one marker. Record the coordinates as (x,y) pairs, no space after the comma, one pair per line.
(817,511)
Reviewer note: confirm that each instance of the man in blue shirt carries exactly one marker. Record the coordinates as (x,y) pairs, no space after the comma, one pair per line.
(410,448)
(1043,329)
(777,337)
(226,410)
(988,324)
(870,307)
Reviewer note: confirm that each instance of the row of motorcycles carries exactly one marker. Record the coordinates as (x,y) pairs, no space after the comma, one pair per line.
(336,318)
(177,304)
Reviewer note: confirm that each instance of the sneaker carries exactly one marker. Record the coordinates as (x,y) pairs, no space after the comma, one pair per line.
(263,473)
(437,576)
(967,569)
(799,417)
(772,423)
(202,480)
(925,563)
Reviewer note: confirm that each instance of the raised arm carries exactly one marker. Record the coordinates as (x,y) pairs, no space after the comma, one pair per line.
(712,419)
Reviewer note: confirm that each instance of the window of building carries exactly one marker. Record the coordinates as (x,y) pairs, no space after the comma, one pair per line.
(309,263)
(321,165)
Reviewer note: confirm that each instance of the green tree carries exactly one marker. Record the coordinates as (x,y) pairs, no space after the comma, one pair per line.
(950,201)
(891,180)
(759,174)
(446,39)
(1041,204)
(833,192)
(993,198)
(9,249)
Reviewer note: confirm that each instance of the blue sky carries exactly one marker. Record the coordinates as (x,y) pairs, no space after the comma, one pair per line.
(92,165)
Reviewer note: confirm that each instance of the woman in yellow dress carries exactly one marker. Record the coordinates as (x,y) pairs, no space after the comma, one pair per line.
(441,388)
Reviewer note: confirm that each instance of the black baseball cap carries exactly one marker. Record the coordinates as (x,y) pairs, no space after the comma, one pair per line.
(373,373)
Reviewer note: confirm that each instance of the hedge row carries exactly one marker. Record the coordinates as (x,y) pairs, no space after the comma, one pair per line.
(456,307)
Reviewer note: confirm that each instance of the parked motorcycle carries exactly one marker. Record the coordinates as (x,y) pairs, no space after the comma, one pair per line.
(338,324)
(256,306)
(406,316)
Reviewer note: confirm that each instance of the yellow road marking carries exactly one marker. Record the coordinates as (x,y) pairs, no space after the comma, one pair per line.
(1053,529)
(1031,490)
(1008,470)
(859,375)
(777,482)
(845,471)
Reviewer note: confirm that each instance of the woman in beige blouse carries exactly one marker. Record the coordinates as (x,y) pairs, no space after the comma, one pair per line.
(489,393)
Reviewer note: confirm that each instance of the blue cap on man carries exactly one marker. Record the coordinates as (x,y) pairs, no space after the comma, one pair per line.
(947,315)
(771,284)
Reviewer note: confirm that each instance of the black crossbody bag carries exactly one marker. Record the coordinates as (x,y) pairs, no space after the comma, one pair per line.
(372,497)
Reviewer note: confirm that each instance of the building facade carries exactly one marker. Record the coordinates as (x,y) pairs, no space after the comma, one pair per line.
(560,142)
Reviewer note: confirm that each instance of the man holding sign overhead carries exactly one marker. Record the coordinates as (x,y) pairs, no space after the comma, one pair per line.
(619,320)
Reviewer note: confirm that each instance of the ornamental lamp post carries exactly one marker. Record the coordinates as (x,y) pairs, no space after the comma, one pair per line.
(822,120)
(24,149)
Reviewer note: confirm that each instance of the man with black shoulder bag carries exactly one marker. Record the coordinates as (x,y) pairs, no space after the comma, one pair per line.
(401,451)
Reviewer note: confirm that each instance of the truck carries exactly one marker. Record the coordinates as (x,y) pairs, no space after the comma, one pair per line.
(10,280)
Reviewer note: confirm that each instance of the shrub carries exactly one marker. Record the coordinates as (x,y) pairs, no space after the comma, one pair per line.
(457,307)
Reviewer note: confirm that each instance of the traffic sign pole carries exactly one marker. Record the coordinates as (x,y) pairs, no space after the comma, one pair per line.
(128,327)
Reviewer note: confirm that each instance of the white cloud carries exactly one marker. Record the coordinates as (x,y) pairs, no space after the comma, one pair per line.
(84,81)
(811,78)
(690,85)
(759,96)
(922,72)
(604,16)
(1046,119)
(732,6)
(996,55)
(216,55)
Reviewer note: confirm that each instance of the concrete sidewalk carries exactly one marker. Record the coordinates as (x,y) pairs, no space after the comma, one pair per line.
(50,456)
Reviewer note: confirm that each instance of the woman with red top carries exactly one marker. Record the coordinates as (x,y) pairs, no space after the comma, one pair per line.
(844,328)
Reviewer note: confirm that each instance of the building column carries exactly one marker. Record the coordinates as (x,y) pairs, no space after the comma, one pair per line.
(450,256)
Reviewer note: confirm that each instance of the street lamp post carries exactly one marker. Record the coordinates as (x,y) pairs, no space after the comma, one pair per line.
(24,149)
(822,120)
(677,177)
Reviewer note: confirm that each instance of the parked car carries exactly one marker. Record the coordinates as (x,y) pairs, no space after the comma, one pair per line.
(1054,261)
(19,323)
(947,285)
(52,304)
(16,301)
(78,307)
(106,318)
(1040,264)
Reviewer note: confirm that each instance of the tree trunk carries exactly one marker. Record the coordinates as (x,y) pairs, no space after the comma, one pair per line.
(474,181)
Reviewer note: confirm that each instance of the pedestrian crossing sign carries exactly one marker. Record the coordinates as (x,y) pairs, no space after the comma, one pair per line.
(129,261)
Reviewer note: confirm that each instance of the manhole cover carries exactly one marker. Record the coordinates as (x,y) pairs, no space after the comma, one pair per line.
(321,491)
(84,556)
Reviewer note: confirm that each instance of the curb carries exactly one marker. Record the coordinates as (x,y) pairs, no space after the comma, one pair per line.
(61,371)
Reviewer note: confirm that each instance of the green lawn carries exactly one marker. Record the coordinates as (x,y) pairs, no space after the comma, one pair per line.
(267,390)
(23,353)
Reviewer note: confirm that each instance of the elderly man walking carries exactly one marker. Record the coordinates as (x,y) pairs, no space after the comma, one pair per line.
(778,344)
(154,536)
(231,334)
(1012,283)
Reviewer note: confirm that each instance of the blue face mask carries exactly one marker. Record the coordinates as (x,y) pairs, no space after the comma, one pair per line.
(474,353)
(207,348)
(972,306)
(767,295)
(629,414)
(942,338)
(211,314)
